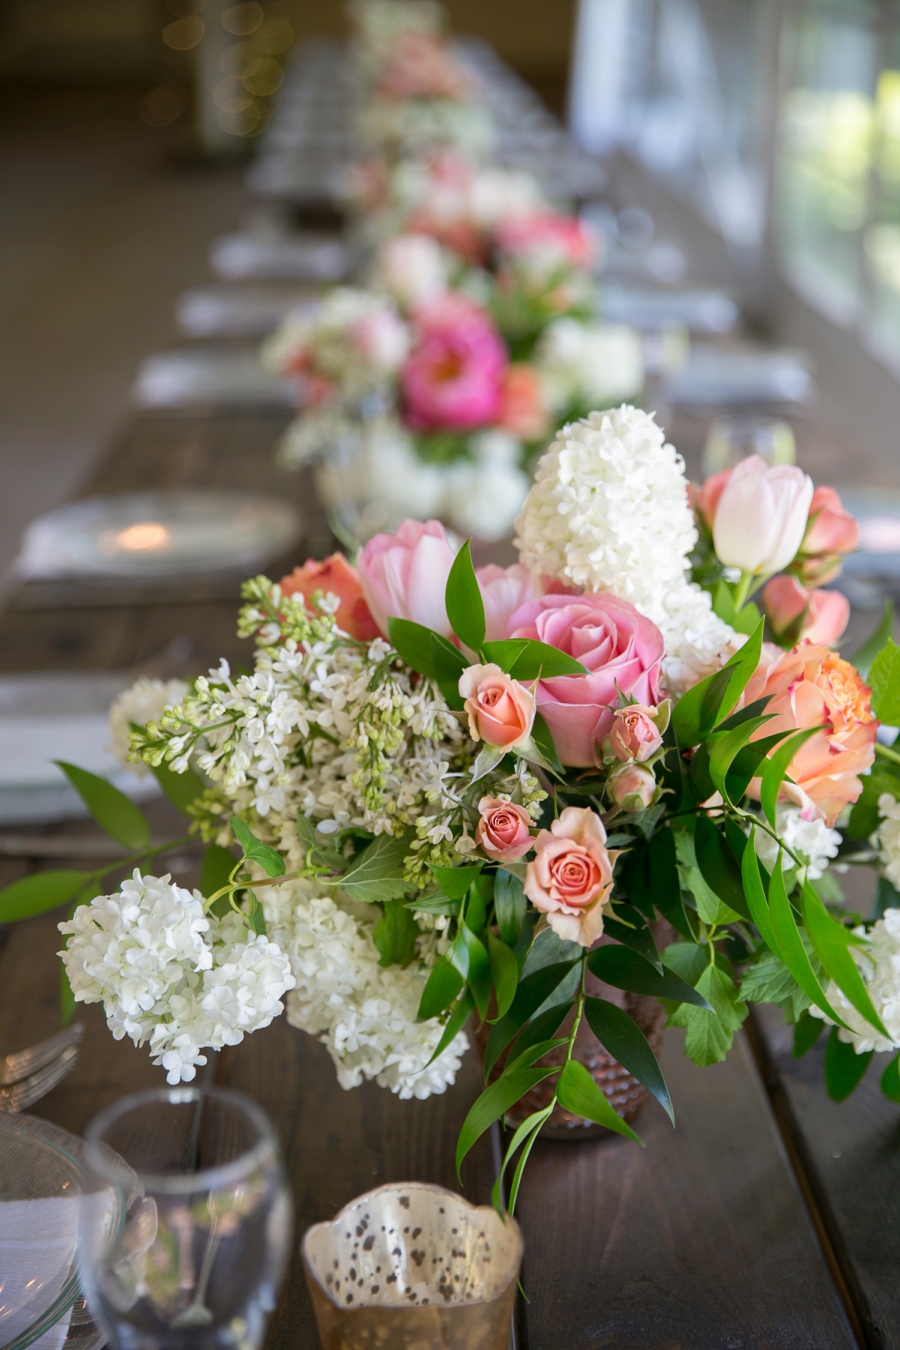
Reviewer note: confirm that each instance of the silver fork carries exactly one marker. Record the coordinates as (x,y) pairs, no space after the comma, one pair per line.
(30,1074)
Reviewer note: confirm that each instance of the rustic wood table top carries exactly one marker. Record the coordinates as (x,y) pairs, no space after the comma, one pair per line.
(768,1218)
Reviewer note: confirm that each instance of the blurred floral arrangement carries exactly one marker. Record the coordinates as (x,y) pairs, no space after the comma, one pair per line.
(464,794)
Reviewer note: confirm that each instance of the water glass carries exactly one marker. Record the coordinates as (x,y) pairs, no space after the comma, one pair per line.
(199,1255)
(732,439)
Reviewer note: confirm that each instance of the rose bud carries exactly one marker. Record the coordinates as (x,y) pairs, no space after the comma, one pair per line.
(571,876)
(831,528)
(634,733)
(795,613)
(500,710)
(633,788)
(761,516)
(504,830)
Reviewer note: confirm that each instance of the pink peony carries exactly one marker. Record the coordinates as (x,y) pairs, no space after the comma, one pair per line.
(634,733)
(571,876)
(500,710)
(335,576)
(404,575)
(796,613)
(813,687)
(622,650)
(504,830)
(453,379)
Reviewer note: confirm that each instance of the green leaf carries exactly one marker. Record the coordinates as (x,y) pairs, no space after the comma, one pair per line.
(532,992)
(890,1080)
(255,914)
(776,768)
(543,739)
(395,935)
(886,897)
(768,980)
(541,1028)
(709,1034)
(719,867)
(534,1050)
(755,893)
(806,1033)
(449,664)
(181,788)
(630,928)
(539,660)
(789,945)
(461,1013)
(112,810)
(38,893)
(479,969)
(622,1037)
(844,1068)
(412,642)
(463,600)
(688,960)
(725,746)
(256,851)
(504,973)
(702,707)
(830,941)
(866,655)
(455,881)
(376,874)
(510,905)
(531,1125)
(215,871)
(444,984)
(865,817)
(505,652)
(434,904)
(487,759)
(494,1102)
(577,1092)
(624,969)
(884,679)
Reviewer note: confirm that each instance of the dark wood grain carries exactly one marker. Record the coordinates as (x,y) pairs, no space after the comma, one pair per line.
(700,1241)
(850,1155)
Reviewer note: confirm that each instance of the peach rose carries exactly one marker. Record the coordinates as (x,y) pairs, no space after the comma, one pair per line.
(335,576)
(571,876)
(813,687)
(634,733)
(831,532)
(522,410)
(796,613)
(501,711)
(504,830)
(633,787)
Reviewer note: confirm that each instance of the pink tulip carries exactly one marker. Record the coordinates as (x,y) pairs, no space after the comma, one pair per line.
(761,516)
(705,498)
(453,380)
(334,576)
(503,590)
(404,575)
(620,648)
(796,613)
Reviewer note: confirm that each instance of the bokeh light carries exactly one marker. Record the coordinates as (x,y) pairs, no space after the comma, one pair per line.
(263,76)
(184,33)
(243,19)
(235,60)
(163,105)
(273,37)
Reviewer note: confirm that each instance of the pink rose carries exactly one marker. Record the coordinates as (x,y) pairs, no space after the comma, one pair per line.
(796,613)
(500,710)
(813,687)
(503,590)
(620,648)
(335,576)
(761,516)
(453,379)
(404,575)
(381,339)
(571,876)
(831,528)
(503,831)
(634,733)
(705,499)
(633,788)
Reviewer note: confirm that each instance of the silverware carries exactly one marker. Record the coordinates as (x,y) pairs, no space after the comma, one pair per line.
(29,1074)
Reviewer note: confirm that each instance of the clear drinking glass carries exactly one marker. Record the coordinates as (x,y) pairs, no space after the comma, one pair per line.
(732,439)
(198,1257)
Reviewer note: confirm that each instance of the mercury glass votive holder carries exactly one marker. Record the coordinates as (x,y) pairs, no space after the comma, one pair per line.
(415,1266)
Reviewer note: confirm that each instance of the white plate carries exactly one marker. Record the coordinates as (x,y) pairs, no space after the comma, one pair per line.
(239,311)
(153,536)
(189,376)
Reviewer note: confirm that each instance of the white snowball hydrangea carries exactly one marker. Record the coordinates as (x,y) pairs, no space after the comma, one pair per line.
(887,837)
(168,974)
(879,963)
(365,1014)
(609,511)
(812,839)
(592,364)
(143,702)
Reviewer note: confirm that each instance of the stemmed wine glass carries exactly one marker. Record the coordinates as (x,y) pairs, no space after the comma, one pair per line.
(199,1254)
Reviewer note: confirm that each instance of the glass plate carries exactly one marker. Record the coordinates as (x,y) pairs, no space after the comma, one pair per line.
(151,536)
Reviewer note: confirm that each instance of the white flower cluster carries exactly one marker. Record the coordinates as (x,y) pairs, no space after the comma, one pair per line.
(143,702)
(887,837)
(609,511)
(589,365)
(879,963)
(364,1013)
(352,337)
(812,839)
(168,974)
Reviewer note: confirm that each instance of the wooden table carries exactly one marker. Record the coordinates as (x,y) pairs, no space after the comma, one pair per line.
(766,1219)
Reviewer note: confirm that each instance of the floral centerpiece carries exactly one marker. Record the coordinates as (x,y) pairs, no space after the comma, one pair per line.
(462,794)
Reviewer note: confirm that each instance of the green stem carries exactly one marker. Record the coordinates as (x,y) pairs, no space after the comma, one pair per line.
(742,591)
(763,825)
(887,752)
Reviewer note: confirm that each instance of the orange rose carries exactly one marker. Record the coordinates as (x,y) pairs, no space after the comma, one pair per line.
(335,576)
(813,687)
(522,411)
